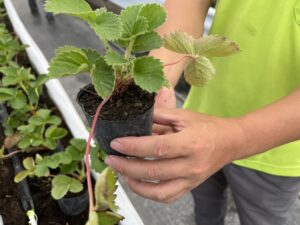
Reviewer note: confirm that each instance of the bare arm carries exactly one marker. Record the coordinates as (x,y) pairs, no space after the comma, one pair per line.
(271,126)
(187,16)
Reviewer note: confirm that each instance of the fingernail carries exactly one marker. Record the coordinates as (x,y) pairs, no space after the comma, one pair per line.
(116,145)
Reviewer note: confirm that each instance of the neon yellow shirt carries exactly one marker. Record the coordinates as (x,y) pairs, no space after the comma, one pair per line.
(268,68)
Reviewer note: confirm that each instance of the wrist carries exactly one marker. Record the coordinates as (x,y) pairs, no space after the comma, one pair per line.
(237,139)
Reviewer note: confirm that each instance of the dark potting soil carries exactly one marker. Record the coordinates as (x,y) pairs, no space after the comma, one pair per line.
(132,102)
(46,207)
(10,204)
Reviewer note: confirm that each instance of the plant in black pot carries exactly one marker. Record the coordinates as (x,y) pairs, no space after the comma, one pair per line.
(120,100)
(127,82)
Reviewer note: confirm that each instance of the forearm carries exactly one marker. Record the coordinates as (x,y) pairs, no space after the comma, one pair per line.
(186,16)
(273,125)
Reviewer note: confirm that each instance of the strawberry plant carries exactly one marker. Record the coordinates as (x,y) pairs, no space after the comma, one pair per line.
(124,81)
(28,125)
(9,46)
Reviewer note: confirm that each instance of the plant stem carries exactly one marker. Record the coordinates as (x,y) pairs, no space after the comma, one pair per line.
(87,153)
(10,154)
(173,63)
(24,88)
(129,49)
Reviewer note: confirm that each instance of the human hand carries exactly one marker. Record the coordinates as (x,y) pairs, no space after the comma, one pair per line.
(165,98)
(189,149)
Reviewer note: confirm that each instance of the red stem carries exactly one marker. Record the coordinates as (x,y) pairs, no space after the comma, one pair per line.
(173,63)
(87,153)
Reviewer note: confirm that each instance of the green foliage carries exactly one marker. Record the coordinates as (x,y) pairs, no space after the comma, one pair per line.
(133,29)
(104,191)
(105,212)
(199,69)
(62,184)
(106,24)
(147,72)
(68,61)
(9,46)
(67,165)
(41,130)
(97,159)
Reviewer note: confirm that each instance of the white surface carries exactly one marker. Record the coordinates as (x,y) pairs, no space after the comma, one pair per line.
(64,104)
(1,221)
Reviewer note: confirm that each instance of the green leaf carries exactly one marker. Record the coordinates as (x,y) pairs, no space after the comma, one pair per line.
(42,171)
(15,75)
(60,186)
(133,23)
(33,96)
(92,55)
(55,132)
(69,168)
(55,120)
(199,71)
(147,42)
(97,163)
(26,129)
(37,142)
(40,80)
(103,78)
(43,113)
(36,120)
(38,158)
(22,175)
(75,185)
(109,218)
(113,58)
(10,77)
(7,94)
(50,143)
(180,42)
(215,46)
(67,6)
(155,15)
(79,144)
(104,191)
(19,101)
(107,25)
(68,61)
(24,143)
(93,218)
(29,163)
(148,73)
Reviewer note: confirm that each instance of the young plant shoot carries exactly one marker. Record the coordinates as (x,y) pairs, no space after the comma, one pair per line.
(113,73)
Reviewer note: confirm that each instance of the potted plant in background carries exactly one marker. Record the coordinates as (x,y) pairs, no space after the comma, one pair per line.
(123,88)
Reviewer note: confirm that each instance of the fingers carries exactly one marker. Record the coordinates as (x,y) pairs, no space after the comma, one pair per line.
(160,146)
(165,116)
(160,129)
(164,191)
(149,169)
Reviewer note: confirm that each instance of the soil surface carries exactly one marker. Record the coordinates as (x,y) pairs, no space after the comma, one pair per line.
(132,102)
(10,205)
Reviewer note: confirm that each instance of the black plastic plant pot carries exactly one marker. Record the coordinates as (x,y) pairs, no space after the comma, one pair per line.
(73,206)
(107,130)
